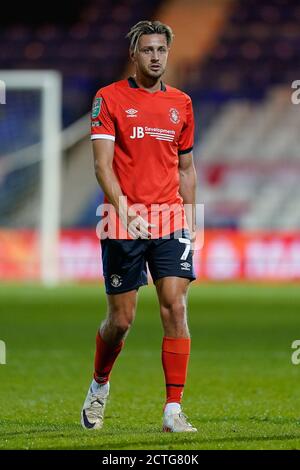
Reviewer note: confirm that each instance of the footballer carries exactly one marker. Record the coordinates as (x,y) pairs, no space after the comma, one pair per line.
(142,135)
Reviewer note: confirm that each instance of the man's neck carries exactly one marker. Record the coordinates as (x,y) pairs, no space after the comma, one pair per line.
(149,84)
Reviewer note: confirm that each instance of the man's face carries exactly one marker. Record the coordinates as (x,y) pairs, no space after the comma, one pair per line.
(151,55)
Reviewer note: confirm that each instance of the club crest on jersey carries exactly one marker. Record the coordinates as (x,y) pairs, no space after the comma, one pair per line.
(115,280)
(96,107)
(174,115)
(131,112)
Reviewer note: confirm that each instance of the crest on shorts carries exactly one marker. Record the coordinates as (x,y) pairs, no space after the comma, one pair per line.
(115,280)
(96,107)
(174,115)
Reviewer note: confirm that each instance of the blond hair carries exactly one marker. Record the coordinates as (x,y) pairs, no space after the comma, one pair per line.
(148,27)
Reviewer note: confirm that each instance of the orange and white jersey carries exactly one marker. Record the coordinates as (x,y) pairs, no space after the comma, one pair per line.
(150,131)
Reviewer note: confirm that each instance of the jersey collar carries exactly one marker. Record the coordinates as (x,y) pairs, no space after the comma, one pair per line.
(132,83)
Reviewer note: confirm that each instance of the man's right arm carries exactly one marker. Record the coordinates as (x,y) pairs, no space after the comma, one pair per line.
(103,151)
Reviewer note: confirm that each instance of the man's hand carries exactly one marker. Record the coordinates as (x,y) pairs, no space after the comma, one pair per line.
(135,224)
(193,241)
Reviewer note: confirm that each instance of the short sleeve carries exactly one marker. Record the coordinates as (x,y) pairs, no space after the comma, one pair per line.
(102,124)
(186,139)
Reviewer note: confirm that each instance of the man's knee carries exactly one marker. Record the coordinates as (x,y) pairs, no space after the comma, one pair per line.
(121,318)
(174,311)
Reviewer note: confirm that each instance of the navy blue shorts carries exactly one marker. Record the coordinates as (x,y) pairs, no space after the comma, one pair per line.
(125,261)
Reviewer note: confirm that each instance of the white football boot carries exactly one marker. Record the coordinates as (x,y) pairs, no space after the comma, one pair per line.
(174,420)
(92,413)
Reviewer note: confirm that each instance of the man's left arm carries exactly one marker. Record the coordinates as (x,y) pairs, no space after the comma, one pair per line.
(187,190)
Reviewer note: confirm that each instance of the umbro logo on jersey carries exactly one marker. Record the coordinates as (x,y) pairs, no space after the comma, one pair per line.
(185,266)
(131,112)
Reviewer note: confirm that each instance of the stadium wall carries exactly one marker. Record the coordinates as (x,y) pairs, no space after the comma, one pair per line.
(227,255)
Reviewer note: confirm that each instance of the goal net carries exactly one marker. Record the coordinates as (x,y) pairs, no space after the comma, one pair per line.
(30,159)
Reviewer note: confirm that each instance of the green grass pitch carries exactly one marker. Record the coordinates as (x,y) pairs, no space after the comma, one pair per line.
(243,392)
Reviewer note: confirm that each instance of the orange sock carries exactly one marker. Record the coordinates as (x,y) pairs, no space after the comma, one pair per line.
(105,357)
(175,358)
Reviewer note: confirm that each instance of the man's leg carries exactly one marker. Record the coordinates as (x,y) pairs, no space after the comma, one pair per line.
(112,332)
(109,342)
(124,270)
(172,293)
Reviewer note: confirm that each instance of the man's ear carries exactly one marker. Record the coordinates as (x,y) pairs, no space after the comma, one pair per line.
(131,55)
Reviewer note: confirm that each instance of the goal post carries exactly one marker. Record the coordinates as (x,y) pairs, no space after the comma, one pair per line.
(49,84)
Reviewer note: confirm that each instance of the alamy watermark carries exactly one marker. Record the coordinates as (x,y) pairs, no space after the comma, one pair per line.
(150,222)
(295,98)
(2,352)
(2,92)
(296,354)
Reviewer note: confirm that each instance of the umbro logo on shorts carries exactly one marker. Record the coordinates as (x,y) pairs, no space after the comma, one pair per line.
(185,266)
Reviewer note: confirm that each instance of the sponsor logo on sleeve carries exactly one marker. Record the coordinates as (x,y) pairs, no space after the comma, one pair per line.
(96,123)
(96,107)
